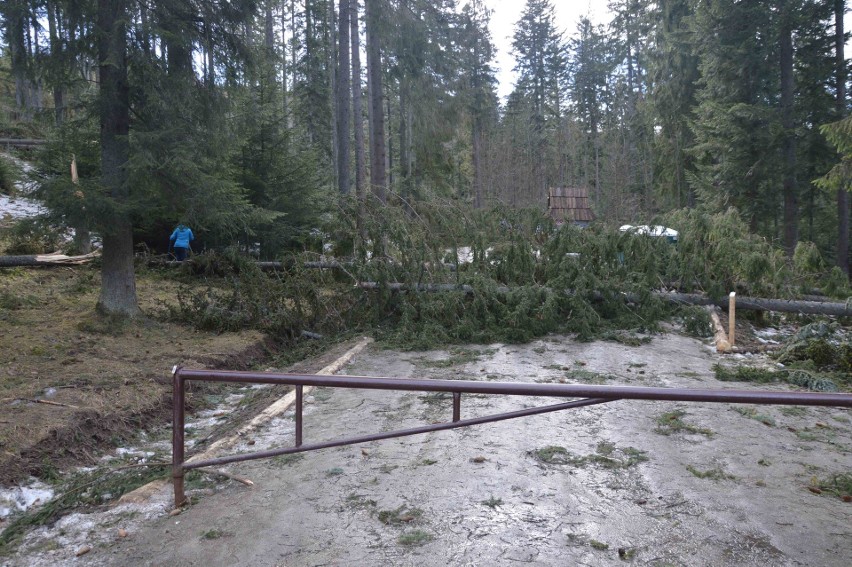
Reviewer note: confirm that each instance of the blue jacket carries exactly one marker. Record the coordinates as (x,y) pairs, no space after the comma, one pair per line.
(181,236)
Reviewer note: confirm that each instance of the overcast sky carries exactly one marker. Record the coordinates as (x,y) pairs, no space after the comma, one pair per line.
(506,13)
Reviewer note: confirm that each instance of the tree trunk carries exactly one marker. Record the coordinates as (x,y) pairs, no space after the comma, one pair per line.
(342,97)
(842,193)
(118,281)
(56,51)
(791,203)
(378,175)
(284,100)
(357,122)
(16,24)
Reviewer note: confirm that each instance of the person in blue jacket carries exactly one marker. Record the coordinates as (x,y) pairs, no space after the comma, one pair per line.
(180,239)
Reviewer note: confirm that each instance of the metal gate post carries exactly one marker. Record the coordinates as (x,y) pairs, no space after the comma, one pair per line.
(178,396)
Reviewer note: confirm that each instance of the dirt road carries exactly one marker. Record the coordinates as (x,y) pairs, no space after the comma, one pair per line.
(648,483)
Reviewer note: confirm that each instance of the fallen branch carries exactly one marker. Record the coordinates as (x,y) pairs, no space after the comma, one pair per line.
(240,479)
(48,402)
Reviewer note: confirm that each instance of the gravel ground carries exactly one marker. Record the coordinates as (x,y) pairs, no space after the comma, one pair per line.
(648,483)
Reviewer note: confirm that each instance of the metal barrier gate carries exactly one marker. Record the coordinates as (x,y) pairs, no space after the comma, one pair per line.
(588,394)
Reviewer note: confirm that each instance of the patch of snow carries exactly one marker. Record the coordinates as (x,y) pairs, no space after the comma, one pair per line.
(19,207)
(22,498)
(133,452)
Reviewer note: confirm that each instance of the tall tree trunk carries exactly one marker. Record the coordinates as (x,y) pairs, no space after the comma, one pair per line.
(56,51)
(791,202)
(16,26)
(343,94)
(842,193)
(118,281)
(357,122)
(293,59)
(331,65)
(378,175)
(284,95)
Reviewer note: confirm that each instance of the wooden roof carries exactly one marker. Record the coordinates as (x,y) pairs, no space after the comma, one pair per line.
(569,204)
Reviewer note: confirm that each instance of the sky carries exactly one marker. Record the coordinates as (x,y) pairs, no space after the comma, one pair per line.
(506,13)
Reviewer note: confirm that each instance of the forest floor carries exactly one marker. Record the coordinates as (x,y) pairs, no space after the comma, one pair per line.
(651,483)
(72,383)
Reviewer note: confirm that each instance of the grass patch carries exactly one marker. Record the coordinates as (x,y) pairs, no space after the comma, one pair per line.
(838,485)
(624,338)
(12,301)
(336,471)
(435,398)
(415,537)
(608,456)
(400,516)
(492,502)
(322,394)
(587,377)
(672,422)
(751,413)
(286,460)
(793,411)
(552,454)
(213,534)
(360,502)
(599,545)
(805,378)
(711,474)
(456,357)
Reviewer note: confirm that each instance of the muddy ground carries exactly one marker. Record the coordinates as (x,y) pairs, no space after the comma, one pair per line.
(73,385)
(648,483)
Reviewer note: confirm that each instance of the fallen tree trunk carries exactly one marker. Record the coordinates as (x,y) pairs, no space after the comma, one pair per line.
(55,259)
(751,303)
(21,142)
(761,304)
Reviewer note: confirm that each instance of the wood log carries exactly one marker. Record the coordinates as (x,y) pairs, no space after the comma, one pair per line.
(55,259)
(719,336)
(749,303)
(762,304)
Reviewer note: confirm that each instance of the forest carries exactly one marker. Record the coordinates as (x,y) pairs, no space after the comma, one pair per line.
(374,128)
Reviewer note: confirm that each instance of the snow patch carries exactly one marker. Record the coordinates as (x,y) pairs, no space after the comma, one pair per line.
(22,498)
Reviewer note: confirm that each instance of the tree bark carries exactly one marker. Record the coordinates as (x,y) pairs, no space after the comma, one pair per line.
(842,193)
(118,281)
(791,202)
(358,122)
(343,94)
(378,174)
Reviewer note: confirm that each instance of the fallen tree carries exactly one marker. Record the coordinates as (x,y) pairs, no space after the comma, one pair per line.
(750,303)
(54,259)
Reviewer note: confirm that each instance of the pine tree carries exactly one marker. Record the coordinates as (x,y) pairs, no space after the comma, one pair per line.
(673,67)
(541,66)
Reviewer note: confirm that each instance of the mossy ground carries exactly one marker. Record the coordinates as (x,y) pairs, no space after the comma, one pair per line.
(104,379)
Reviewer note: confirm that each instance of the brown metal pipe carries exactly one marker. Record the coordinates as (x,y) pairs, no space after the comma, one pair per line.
(300,396)
(178,397)
(392,434)
(528,389)
(456,406)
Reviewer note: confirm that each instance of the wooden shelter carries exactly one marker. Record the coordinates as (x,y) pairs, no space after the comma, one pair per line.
(571,205)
